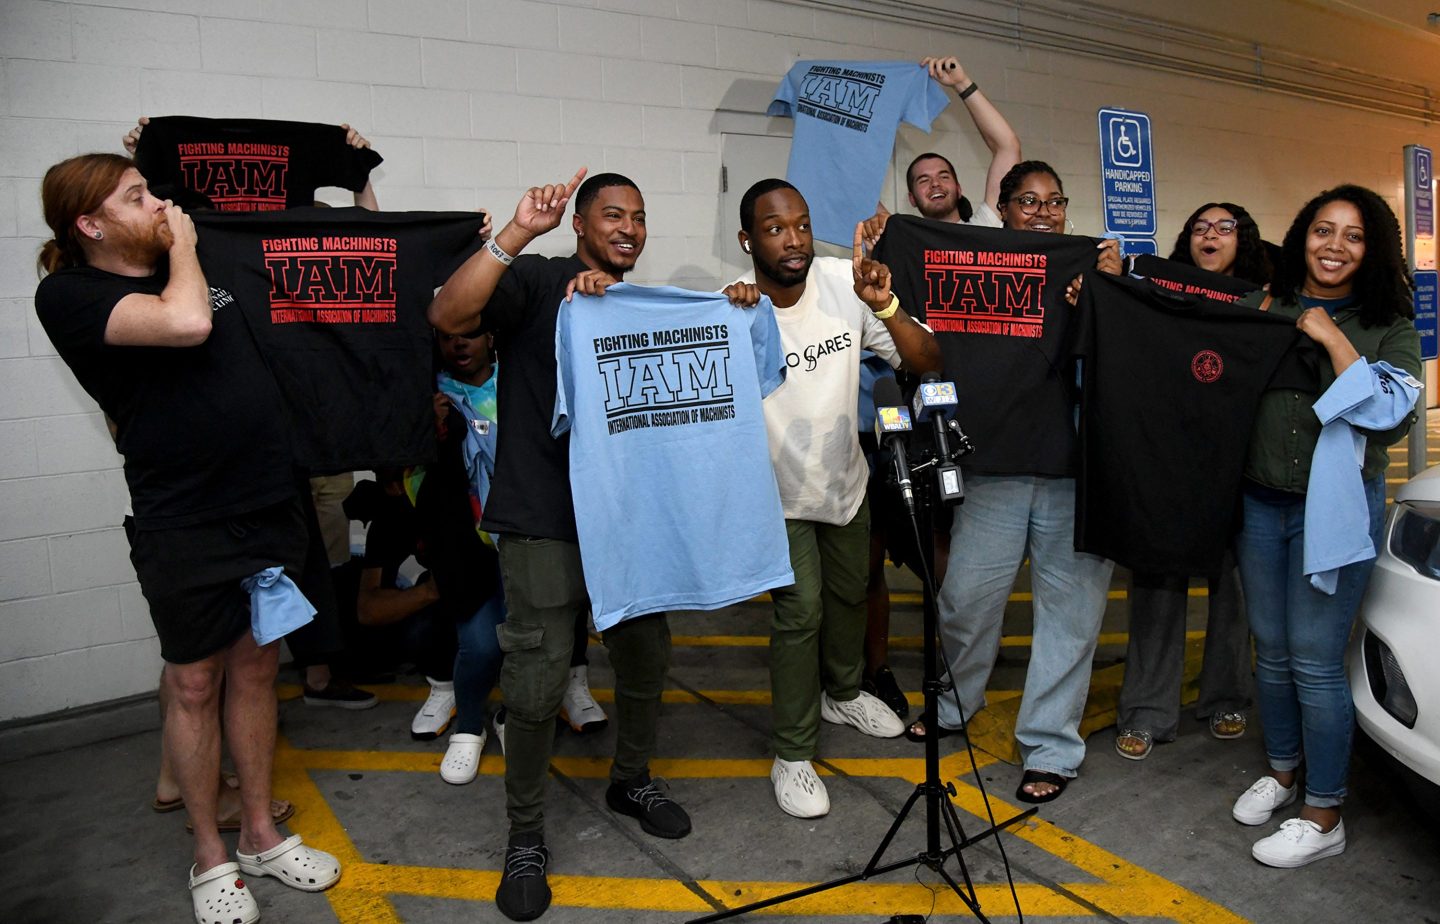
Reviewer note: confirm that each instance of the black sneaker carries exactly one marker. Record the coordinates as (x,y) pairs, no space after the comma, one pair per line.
(882,684)
(340,695)
(524,894)
(643,798)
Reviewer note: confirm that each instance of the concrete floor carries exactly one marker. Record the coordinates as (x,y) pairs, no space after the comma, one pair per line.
(1128,841)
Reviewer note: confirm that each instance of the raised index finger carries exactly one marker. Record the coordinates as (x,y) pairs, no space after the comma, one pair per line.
(859,253)
(571,186)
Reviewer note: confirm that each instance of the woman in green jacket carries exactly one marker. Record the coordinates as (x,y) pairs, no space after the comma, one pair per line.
(1343,280)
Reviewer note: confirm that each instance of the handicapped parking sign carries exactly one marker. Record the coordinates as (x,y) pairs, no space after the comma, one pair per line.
(1127,175)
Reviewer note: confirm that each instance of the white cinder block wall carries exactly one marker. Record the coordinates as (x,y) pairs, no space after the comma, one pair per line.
(471,101)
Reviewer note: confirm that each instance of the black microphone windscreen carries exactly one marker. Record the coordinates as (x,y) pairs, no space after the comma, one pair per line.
(887,393)
(929,377)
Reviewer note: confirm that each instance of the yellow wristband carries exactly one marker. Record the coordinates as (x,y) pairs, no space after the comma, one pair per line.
(889,310)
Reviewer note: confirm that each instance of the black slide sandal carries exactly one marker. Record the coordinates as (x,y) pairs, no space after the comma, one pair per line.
(1040,776)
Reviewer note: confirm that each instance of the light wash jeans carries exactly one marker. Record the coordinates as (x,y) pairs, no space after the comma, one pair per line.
(1300,638)
(1004,519)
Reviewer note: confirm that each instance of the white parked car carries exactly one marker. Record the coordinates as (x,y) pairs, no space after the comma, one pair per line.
(1392,658)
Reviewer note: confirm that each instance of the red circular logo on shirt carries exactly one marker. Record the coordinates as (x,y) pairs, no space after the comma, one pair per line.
(1207,366)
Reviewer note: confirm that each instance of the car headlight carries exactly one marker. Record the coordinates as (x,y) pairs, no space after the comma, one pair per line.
(1387,681)
(1415,537)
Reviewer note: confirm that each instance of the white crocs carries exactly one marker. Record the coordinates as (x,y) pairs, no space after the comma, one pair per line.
(798,789)
(462,758)
(1259,802)
(220,896)
(866,712)
(294,864)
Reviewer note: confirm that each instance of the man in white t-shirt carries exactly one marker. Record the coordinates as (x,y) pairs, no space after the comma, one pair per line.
(930,179)
(827,311)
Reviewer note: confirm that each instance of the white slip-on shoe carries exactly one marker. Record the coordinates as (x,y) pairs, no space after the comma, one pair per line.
(866,712)
(1259,802)
(798,788)
(220,896)
(462,758)
(1298,842)
(294,864)
(434,717)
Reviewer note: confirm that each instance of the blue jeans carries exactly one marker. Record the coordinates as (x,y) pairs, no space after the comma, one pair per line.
(1300,637)
(477,663)
(1004,519)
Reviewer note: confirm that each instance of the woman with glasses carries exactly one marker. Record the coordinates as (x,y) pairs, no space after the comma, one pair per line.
(1004,518)
(1343,280)
(1219,237)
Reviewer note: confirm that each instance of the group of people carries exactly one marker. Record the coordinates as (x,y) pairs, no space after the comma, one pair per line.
(197,417)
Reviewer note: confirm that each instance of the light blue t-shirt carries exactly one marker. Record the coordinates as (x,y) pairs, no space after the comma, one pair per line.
(846,115)
(675,501)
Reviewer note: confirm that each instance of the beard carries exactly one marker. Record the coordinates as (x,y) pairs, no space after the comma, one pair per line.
(143,246)
(936,208)
(779,274)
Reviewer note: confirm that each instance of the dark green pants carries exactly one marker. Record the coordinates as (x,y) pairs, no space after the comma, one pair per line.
(817,635)
(544,594)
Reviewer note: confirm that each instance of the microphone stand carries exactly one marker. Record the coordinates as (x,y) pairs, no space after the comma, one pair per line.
(936,792)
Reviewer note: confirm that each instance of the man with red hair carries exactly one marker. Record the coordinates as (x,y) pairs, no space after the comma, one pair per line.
(208,463)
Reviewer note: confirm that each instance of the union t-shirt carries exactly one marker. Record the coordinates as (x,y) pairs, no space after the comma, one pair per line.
(846,115)
(1171,386)
(996,301)
(812,419)
(251,165)
(336,299)
(1192,280)
(201,428)
(675,500)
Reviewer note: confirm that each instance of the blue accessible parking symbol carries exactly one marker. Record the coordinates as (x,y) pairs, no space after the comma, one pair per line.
(1127,174)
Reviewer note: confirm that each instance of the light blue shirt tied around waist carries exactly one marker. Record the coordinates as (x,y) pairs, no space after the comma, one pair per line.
(1370,396)
(277,607)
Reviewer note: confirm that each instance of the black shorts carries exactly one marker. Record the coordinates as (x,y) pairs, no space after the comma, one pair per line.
(191,575)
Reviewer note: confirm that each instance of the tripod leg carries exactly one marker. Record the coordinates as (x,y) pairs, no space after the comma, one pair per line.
(894,828)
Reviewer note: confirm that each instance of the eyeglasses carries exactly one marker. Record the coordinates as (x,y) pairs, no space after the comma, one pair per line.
(1222,227)
(1031,203)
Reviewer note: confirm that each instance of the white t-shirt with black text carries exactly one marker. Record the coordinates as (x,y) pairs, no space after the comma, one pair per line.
(811,419)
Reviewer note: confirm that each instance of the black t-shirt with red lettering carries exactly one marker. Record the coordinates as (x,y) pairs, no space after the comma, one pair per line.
(337,300)
(996,301)
(201,428)
(251,165)
(1171,386)
(1188,279)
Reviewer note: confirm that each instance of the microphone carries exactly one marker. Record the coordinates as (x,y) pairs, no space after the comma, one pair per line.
(892,422)
(935,401)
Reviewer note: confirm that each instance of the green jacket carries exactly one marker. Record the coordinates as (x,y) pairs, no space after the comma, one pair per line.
(1286,427)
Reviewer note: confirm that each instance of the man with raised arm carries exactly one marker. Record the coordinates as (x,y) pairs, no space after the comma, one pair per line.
(933,187)
(827,311)
(518,298)
(208,463)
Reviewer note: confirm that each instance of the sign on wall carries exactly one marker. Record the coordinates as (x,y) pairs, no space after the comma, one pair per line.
(1127,178)
(1427,291)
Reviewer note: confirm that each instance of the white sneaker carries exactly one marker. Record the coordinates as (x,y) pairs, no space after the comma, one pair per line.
(578,707)
(462,758)
(798,789)
(498,721)
(434,717)
(1298,842)
(1259,802)
(866,712)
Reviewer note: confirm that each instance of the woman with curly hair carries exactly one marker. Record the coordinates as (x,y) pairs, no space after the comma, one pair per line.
(1219,237)
(1343,280)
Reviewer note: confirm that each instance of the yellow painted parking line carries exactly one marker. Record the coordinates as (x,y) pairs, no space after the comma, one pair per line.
(896,641)
(1105,881)
(363,895)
